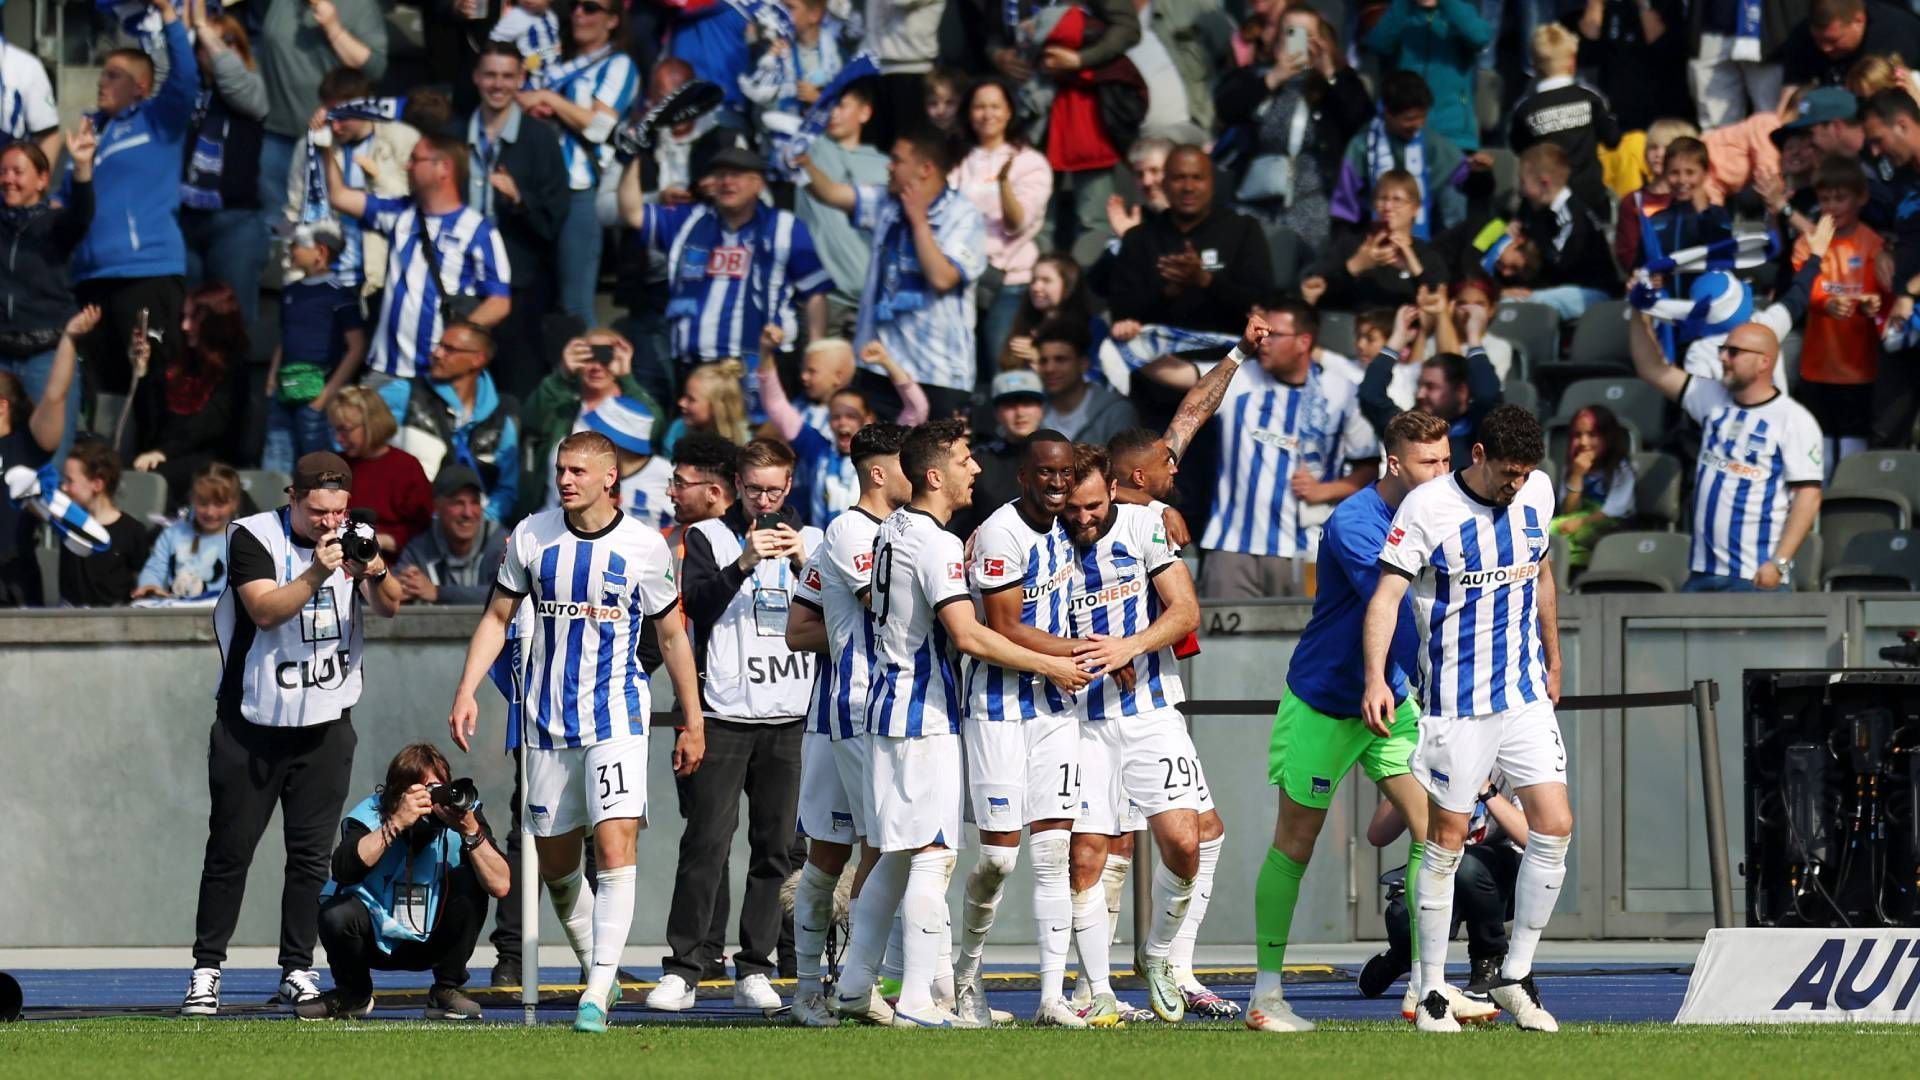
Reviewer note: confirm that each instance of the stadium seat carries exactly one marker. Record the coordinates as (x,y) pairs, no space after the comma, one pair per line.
(1518,391)
(1847,512)
(1287,255)
(1880,471)
(142,496)
(266,487)
(47,555)
(1807,563)
(1534,330)
(1559,550)
(1882,561)
(1336,332)
(1637,405)
(1637,562)
(1656,490)
(1598,350)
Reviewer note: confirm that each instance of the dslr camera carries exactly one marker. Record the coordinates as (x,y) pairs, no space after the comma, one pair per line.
(459,796)
(357,540)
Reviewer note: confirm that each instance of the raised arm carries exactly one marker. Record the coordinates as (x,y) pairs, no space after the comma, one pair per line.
(1650,361)
(913,400)
(341,196)
(1203,400)
(633,196)
(48,423)
(825,188)
(785,419)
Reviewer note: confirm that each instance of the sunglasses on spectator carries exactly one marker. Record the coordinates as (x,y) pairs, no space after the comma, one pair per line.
(591,8)
(1731,351)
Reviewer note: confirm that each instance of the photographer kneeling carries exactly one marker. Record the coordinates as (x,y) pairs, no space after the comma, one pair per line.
(411,877)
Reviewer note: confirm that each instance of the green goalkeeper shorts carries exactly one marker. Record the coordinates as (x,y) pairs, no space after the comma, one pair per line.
(1310,751)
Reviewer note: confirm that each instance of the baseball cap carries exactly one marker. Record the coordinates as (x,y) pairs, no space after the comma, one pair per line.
(628,426)
(322,470)
(1018,383)
(1818,106)
(725,148)
(455,478)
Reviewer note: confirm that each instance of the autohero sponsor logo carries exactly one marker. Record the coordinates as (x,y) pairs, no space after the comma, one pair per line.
(1725,464)
(1043,588)
(1119,590)
(1846,974)
(1499,575)
(566,609)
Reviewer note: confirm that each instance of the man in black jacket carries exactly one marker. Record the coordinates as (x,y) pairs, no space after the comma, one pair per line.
(1196,266)
(518,179)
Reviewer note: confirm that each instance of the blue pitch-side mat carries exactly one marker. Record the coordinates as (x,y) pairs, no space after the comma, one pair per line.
(1633,995)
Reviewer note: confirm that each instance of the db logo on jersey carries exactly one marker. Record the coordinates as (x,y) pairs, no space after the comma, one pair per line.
(1394,536)
(956,571)
(728,262)
(813,578)
(993,567)
(863,562)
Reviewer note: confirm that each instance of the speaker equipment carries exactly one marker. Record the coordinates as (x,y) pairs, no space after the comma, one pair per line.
(1833,798)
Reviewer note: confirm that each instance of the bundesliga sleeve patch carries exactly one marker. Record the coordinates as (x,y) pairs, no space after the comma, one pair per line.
(813,578)
(863,562)
(994,567)
(1394,536)
(956,571)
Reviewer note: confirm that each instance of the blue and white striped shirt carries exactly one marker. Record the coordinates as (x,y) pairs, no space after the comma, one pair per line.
(26,96)
(473,262)
(1009,553)
(1751,456)
(536,36)
(604,77)
(918,568)
(1271,430)
(1478,610)
(929,334)
(834,583)
(726,283)
(1113,593)
(589,593)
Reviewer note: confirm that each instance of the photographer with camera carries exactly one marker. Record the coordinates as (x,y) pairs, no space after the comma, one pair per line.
(411,877)
(290,631)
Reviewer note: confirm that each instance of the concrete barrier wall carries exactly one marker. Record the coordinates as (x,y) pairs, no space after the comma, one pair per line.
(104,719)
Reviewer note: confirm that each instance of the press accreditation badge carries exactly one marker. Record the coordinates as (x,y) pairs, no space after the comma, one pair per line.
(319,619)
(770,612)
(410,908)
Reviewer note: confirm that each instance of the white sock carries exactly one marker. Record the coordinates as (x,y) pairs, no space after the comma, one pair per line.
(873,922)
(924,910)
(1052,907)
(1268,982)
(574,905)
(1113,879)
(812,915)
(1435,916)
(942,984)
(612,918)
(1093,940)
(893,963)
(1172,894)
(984,885)
(1536,889)
(1180,956)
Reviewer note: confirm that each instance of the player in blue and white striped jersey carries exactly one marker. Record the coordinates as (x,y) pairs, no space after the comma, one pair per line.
(471,256)
(1134,599)
(921,607)
(1023,734)
(1293,443)
(1756,486)
(1473,546)
(830,615)
(586,93)
(592,575)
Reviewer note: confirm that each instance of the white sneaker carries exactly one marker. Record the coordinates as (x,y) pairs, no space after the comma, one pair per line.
(1409,1003)
(672,994)
(1270,1012)
(1435,1014)
(810,1010)
(756,992)
(203,993)
(1465,1008)
(298,987)
(970,1003)
(1522,1001)
(931,1017)
(868,1008)
(1055,1012)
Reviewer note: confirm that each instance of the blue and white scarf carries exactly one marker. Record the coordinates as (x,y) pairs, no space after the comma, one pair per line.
(1414,160)
(1746,32)
(557,77)
(38,492)
(1119,360)
(814,124)
(384,109)
(200,190)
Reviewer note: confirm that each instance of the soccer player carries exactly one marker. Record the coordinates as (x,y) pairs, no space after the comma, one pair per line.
(921,606)
(1476,542)
(592,573)
(1318,735)
(1134,599)
(831,615)
(1023,735)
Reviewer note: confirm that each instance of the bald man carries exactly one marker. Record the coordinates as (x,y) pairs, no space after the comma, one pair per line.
(1198,266)
(1757,483)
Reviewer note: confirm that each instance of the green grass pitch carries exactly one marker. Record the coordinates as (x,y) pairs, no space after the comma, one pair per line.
(127,1049)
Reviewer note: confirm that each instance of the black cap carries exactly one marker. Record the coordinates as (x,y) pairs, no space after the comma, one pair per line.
(725,148)
(455,478)
(322,470)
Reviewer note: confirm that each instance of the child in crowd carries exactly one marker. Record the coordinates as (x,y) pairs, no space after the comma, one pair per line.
(824,479)
(189,557)
(1054,291)
(944,89)
(1397,139)
(323,339)
(1562,112)
(532,27)
(713,399)
(1691,219)
(1840,353)
(1576,267)
(826,368)
(1596,484)
(91,478)
(787,76)
(1653,196)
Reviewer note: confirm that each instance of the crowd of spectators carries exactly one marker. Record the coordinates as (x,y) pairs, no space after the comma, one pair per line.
(1024,215)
